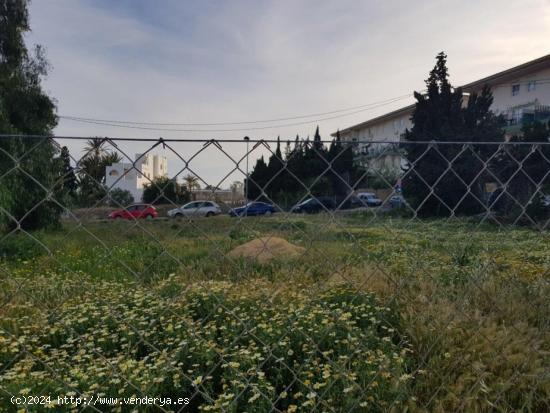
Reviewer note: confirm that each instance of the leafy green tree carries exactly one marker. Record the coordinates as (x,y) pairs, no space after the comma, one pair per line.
(27,192)
(120,197)
(439,116)
(163,190)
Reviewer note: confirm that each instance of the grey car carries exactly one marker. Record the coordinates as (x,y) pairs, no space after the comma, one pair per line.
(196,209)
(369,199)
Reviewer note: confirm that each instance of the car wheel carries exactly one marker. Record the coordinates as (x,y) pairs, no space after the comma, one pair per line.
(267,213)
(149,216)
(209,214)
(178,216)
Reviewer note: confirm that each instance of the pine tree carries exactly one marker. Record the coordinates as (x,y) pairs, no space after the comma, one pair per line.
(257,180)
(295,164)
(524,169)
(275,172)
(343,167)
(440,116)
(317,144)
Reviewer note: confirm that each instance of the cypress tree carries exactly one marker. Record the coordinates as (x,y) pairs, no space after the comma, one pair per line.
(439,116)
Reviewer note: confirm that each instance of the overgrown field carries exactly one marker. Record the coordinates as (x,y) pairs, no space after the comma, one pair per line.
(378,314)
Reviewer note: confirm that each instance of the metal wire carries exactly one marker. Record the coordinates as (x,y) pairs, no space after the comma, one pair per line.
(381,302)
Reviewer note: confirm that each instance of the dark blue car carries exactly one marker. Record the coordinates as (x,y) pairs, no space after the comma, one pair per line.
(253,208)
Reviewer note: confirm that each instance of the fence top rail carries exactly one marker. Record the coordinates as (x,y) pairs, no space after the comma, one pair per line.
(256,140)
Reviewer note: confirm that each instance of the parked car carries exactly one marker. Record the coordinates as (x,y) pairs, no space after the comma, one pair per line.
(253,208)
(197,209)
(396,201)
(135,211)
(313,205)
(350,202)
(369,199)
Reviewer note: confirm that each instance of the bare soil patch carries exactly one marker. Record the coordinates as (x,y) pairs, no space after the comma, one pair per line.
(266,249)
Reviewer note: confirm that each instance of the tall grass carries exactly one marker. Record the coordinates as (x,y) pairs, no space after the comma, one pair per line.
(461,314)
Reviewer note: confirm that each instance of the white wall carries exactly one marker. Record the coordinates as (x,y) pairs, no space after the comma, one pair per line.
(133,178)
(504,101)
(386,130)
(121,175)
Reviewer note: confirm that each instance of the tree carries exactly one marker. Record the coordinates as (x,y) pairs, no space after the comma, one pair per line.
(66,182)
(439,116)
(257,180)
(191,182)
(315,156)
(343,171)
(95,147)
(91,170)
(163,190)
(25,109)
(317,143)
(275,172)
(523,171)
(120,197)
(236,186)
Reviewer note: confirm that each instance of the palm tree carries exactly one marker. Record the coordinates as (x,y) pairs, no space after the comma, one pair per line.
(110,158)
(94,148)
(97,158)
(191,182)
(236,186)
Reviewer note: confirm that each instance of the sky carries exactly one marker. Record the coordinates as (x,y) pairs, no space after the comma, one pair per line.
(171,61)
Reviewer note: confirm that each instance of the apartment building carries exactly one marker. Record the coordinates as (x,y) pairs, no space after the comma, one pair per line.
(521,94)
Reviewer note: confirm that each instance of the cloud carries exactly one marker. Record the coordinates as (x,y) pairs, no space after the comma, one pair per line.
(201,61)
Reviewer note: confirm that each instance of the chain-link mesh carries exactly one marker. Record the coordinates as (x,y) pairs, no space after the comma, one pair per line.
(325,277)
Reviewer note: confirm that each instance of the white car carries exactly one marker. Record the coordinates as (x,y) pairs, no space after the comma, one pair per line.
(196,208)
(369,199)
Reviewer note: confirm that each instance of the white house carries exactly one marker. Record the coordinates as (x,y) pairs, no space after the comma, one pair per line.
(132,177)
(521,94)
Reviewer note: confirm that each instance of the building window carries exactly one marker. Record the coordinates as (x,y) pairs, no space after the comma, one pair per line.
(515,90)
(531,86)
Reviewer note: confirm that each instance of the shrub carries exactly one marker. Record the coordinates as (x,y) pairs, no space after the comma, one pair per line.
(19,246)
(164,190)
(120,197)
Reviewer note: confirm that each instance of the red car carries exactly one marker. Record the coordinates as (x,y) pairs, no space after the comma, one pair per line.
(135,211)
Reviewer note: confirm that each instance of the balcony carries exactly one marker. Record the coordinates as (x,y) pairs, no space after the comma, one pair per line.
(519,117)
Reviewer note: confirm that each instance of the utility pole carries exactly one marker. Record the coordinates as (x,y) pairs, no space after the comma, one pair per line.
(247,139)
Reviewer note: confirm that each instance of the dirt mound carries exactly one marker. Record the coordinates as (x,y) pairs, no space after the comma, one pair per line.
(267,248)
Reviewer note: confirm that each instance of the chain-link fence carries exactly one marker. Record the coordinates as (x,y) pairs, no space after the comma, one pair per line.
(354,276)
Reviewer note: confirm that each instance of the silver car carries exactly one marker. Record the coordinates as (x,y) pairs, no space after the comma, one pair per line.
(196,209)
